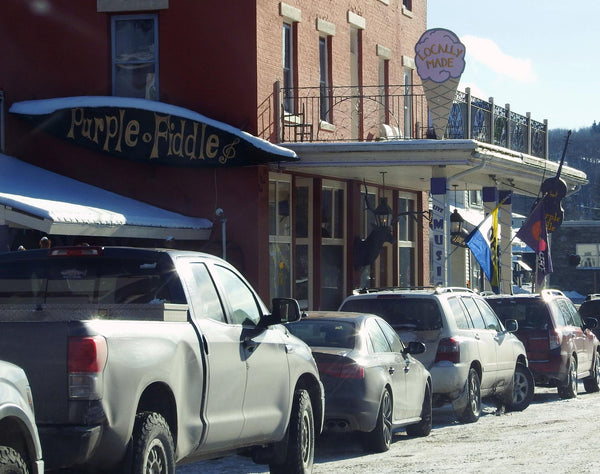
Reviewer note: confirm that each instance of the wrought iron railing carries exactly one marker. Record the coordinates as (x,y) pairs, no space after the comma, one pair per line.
(366,113)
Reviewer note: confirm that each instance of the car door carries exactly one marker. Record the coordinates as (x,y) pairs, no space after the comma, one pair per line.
(485,340)
(392,363)
(267,395)
(583,339)
(225,369)
(505,342)
(413,371)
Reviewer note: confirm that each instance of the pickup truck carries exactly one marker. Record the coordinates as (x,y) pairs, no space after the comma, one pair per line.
(20,448)
(141,359)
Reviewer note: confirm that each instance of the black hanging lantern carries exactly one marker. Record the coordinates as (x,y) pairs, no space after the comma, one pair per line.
(383,213)
(456,224)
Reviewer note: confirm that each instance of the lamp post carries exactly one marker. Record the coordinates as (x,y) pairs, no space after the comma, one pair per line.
(221,215)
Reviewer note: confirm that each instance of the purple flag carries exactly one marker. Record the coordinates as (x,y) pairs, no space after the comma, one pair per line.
(534,233)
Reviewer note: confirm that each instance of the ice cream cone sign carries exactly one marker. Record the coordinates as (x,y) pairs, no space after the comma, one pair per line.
(440,61)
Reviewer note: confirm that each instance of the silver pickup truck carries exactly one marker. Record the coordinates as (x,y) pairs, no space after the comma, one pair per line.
(140,359)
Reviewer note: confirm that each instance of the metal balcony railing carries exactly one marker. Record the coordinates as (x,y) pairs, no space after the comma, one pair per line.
(367,113)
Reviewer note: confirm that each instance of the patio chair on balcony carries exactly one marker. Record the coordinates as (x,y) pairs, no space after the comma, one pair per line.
(389,132)
(303,130)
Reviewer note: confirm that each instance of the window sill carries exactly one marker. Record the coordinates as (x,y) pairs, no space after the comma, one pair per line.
(326,126)
(406,12)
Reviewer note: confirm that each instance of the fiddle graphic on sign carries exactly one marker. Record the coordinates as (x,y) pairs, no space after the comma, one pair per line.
(554,190)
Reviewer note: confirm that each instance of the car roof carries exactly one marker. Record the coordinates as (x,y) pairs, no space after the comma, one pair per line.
(545,294)
(337,315)
(416,291)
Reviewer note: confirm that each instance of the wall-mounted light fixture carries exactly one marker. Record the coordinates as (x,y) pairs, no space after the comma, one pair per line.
(456,225)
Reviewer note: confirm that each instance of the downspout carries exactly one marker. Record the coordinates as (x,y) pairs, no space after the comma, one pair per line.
(469,171)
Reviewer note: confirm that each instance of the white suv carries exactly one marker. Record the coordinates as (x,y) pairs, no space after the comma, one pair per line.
(470,354)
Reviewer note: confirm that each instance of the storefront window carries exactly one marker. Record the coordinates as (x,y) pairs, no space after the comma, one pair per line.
(333,287)
(590,255)
(407,236)
(135,56)
(303,225)
(280,239)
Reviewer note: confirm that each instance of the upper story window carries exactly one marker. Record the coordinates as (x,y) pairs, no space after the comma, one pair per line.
(324,78)
(407,4)
(135,56)
(288,67)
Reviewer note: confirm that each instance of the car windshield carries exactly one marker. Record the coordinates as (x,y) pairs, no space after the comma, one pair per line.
(324,333)
(529,313)
(402,313)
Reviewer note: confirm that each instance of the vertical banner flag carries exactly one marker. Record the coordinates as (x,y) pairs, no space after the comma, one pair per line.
(534,233)
(440,61)
(483,243)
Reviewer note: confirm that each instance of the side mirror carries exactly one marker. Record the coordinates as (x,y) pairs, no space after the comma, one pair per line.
(414,347)
(511,325)
(590,323)
(285,310)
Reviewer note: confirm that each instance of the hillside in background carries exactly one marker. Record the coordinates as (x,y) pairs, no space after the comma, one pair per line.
(583,153)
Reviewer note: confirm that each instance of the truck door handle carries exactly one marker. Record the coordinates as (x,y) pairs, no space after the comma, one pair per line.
(391,370)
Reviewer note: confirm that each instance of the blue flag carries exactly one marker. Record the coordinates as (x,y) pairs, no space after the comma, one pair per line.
(483,243)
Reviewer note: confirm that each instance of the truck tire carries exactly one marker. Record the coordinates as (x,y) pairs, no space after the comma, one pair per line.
(11,462)
(152,445)
(301,438)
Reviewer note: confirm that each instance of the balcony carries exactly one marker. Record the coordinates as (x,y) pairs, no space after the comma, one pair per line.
(371,113)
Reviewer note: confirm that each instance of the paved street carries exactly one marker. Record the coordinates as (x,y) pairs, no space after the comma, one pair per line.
(551,435)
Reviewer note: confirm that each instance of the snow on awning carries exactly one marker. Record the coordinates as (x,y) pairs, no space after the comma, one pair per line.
(149,131)
(36,198)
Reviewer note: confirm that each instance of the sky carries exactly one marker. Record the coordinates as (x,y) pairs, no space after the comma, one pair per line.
(539,56)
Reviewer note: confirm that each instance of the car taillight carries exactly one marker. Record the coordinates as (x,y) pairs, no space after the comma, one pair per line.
(86,360)
(554,339)
(342,370)
(448,350)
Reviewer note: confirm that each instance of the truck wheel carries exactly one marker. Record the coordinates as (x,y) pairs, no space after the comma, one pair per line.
(301,438)
(11,462)
(152,445)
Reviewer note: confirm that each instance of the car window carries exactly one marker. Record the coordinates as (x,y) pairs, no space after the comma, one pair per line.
(563,311)
(458,310)
(324,333)
(401,312)
(244,307)
(529,313)
(490,318)
(204,294)
(473,310)
(378,339)
(590,309)
(569,308)
(391,336)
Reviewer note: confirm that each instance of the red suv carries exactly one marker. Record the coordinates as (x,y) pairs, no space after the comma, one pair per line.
(561,347)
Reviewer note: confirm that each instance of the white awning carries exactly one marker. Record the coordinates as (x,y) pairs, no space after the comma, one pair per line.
(32,197)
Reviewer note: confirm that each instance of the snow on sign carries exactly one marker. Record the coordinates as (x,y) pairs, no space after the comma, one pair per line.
(149,131)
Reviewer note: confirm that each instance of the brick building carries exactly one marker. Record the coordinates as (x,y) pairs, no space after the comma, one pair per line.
(333,81)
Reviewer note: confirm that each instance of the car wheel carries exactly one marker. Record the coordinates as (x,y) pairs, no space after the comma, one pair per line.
(423,427)
(569,390)
(592,383)
(473,395)
(523,388)
(300,438)
(152,448)
(380,439)
(11,461)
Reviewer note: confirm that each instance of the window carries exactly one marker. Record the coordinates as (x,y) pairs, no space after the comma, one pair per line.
(378,339)
(459,313)
(408,103)
(304,245)
(383,72)
(135,56)
(490,318)
(204,294)
(475,198)
(333,203)
(280,236)
(590,255)
(288,68)
(407,236)
(324,78)
(244,308)
(407,4)
(473,311)
(391,336)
